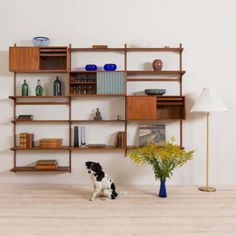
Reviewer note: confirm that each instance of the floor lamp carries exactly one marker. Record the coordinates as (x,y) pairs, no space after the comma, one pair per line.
(209,101)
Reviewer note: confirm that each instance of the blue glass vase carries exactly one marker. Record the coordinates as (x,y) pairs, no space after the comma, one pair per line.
(110,67)
(91,67)
(162,192)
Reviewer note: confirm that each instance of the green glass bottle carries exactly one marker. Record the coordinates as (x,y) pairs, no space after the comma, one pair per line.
(39,89)
(57,87)
(24,89)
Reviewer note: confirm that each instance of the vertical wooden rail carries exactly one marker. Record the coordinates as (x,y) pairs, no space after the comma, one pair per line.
(181,93)
(68,93)
(70,134)
(14,124)
(125,64)
(14,117)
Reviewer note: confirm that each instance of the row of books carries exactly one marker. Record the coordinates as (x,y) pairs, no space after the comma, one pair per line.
(51,143)
(26,140)
(46,165)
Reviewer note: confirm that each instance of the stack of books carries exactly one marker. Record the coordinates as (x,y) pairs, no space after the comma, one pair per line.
(26,140)
(25,117)
(46,165)
(51,143)
(120,139)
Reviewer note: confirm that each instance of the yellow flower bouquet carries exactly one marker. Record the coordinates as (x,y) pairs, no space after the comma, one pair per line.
(164,160)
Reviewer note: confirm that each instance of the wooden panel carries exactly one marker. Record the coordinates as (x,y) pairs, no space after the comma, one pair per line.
(141,108)
(23,59)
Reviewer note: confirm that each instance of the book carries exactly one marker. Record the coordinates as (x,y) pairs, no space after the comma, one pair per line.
(120,139)
(51,143)
(83,136)
(46,164)
(152,133)
(23,140)
(99,46)
(76,136)
(96,145)
(26,140)
(25,117)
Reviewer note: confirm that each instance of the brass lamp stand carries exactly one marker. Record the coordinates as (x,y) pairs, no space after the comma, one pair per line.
(207,188)
(208,101)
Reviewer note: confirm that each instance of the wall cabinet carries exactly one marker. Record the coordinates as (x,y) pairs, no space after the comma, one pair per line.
(24,59)
(99,83)
(37,59)
(141,108)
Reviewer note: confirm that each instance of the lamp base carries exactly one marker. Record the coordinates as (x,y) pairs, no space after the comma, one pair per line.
(207,189)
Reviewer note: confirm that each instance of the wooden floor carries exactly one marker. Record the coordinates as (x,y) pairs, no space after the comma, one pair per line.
(65,210)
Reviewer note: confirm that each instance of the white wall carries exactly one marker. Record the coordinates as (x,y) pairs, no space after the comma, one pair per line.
(207,31)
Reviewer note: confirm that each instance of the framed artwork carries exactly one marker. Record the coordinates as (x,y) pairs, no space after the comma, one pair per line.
(152,133)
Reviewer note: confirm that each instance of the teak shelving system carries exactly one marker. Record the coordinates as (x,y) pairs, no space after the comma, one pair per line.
(137,108)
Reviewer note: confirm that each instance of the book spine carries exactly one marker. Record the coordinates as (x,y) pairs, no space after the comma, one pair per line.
(23,140)
(76,136)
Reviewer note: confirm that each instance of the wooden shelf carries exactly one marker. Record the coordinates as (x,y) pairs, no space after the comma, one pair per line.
(42,103)
(40,121)
(51,49)
(97,95)
(97,121)
(37,97)
(165,49)
(130,79)
(97,49)
(33,169)
(41,71)
(106,148)
(67,121)
(81,83)
(64,148)
(150,72)
(94,71)
(141,108)
(156,120)
(53,55)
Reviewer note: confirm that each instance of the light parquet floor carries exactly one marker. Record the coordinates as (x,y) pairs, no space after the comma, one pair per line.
(65,210)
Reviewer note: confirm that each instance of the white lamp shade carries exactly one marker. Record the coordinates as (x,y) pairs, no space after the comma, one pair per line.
(209,101)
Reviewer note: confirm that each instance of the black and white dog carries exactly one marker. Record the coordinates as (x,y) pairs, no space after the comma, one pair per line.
(103,184)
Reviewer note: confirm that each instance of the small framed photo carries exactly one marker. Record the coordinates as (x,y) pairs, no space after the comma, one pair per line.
(152,133)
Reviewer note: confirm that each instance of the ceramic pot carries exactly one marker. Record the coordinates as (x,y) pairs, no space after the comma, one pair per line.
(157,65)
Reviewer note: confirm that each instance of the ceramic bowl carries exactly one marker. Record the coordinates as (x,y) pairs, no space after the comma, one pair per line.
(40,41)
(155,91)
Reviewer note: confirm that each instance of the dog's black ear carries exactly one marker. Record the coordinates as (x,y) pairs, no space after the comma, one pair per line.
(98,168)
(99,173)
(88,164)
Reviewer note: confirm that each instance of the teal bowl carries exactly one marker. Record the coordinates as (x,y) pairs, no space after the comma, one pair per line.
(155,91)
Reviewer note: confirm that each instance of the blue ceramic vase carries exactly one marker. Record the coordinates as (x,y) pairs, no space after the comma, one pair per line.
(162,192)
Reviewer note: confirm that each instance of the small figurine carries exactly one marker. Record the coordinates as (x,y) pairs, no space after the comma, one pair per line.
(97,115)
(118,117)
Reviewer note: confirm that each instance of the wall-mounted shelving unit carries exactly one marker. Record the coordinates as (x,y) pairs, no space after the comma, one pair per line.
(95,84)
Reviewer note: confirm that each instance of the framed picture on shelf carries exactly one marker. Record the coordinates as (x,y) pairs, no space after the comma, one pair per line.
(152,133)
